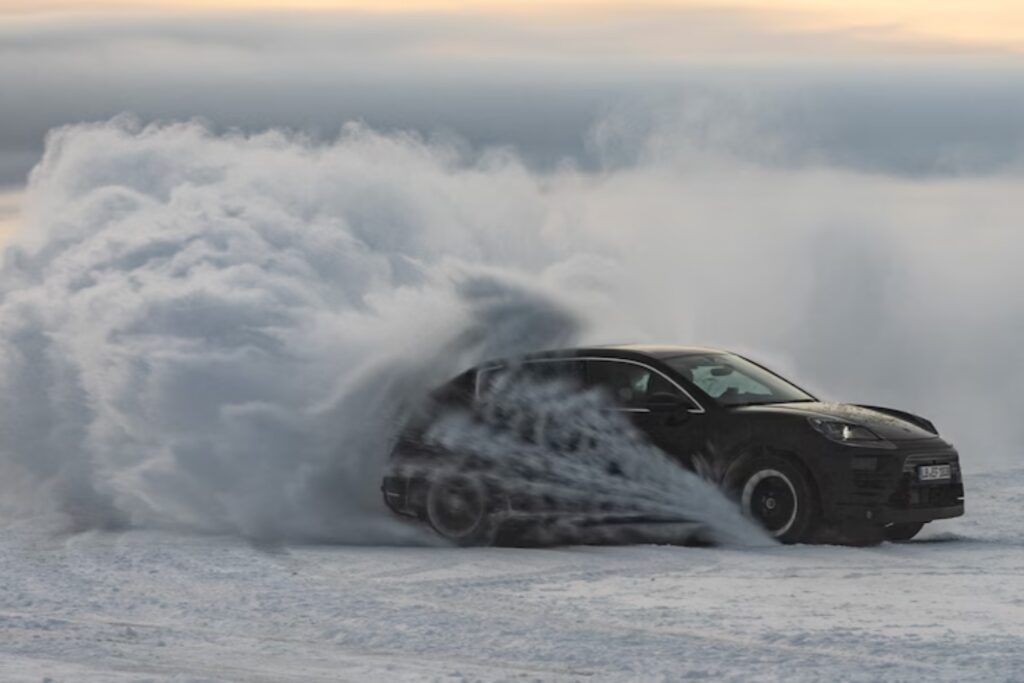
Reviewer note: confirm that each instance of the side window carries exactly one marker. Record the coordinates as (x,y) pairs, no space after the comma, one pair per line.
(533,371)
(630,385)
(554,371)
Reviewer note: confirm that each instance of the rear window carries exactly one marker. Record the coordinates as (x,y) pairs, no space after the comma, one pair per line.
(457,391)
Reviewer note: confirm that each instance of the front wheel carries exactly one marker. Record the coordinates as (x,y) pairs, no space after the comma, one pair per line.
(775,492)
(459,510)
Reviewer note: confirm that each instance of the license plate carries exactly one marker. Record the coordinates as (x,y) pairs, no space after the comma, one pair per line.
(933,472)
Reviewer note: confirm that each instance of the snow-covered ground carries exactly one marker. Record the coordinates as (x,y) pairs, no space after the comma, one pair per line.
(148,605)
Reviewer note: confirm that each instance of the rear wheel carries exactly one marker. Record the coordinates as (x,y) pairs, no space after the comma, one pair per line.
(775,492)
(459,510)
(902,532)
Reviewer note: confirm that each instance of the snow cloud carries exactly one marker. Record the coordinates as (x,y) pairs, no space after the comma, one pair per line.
(220,331)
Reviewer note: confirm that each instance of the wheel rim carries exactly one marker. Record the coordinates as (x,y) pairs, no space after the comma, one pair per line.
(770,498)
(456,508)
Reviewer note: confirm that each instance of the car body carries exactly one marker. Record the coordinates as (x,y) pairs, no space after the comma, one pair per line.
(805,469)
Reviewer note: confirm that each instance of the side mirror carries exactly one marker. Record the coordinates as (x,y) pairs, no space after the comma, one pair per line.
(667,402)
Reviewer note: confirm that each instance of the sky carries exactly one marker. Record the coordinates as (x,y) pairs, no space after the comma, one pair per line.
(992,24)
(909,87)
(646,28)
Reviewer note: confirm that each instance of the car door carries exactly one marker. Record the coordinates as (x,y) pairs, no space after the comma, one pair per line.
(640,391)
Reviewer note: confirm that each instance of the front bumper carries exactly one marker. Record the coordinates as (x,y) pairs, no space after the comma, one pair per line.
(884,487)
(895,515)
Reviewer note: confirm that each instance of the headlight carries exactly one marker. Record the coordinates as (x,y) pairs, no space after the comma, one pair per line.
(848,433)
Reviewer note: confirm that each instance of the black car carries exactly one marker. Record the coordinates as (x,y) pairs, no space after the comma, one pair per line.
(805,469)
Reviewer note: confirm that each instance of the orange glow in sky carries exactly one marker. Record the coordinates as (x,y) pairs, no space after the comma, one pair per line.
(993,24)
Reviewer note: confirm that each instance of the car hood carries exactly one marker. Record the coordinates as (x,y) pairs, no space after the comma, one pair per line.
(886,425)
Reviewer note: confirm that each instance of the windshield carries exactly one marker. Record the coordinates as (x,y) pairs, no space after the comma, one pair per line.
(735,381)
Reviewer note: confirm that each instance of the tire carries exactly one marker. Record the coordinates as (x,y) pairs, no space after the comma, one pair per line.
(459,510)
(777,493)
(902,532)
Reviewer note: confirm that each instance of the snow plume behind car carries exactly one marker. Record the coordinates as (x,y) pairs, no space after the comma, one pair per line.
(554,446)
(223,333)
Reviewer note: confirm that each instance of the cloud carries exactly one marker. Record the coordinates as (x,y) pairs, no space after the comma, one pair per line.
(10,207)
